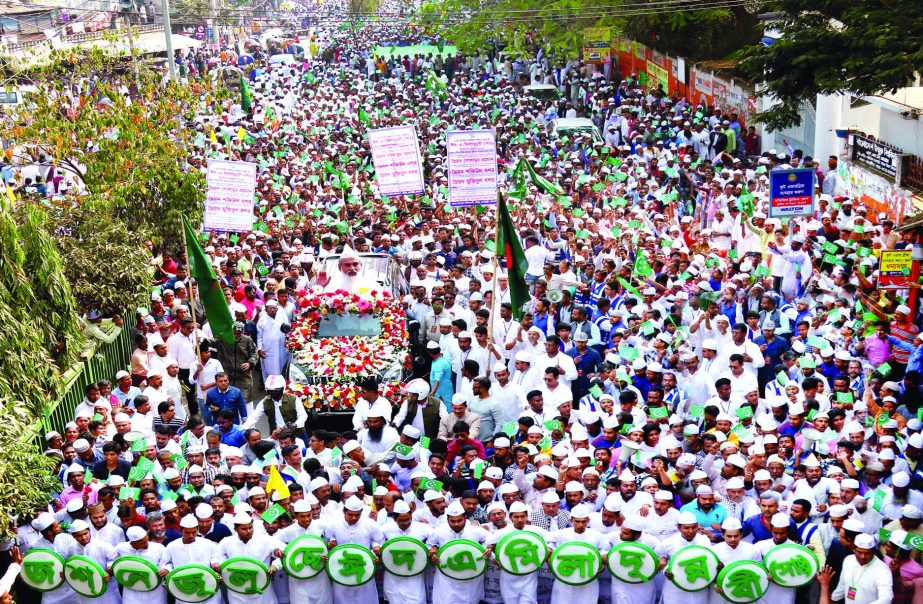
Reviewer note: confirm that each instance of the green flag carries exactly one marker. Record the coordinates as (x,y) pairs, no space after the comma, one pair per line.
(509,247)
(642,268)
(210,292)
(246,95)
(363,116)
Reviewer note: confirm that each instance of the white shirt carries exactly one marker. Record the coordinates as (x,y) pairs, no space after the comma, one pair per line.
(562,362)
(512,399)
(182,348)
(873,582)
(537,257)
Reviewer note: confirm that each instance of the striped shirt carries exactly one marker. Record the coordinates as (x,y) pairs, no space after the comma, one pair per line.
(904,332)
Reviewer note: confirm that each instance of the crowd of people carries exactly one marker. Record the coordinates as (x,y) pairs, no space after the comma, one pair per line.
(687,370)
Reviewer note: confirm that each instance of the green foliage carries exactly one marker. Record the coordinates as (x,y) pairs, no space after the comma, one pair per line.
(834,46)
(27,477)
(695,35)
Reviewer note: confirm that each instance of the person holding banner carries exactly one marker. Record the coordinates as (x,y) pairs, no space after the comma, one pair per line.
(350,526)
(447,590)
(398,588)
(139,546)
(244,543)
(688,535)
(732,549)
(562,593)
(192,549)
(100,552)
(632,531)
(317,589)
(519,588)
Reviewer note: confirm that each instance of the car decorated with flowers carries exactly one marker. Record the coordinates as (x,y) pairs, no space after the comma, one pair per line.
(341,339)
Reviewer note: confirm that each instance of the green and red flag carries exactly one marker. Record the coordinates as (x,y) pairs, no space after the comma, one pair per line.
(210,292)
(246,95)
(509,247)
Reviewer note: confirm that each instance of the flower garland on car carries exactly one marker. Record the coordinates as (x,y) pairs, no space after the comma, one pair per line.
(340,363)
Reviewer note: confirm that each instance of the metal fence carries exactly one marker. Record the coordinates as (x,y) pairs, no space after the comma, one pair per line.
(99,361)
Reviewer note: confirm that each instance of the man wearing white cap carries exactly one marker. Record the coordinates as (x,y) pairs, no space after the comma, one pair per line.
(51,537)
(352,526)
(864,579)
(633,501)
(279,408)
(518,589)
(100,552)
(732,549)
(401,524)
(445,589)
(270,341)
(688,535)
(191,549)
(317,589)
(348,276)
(245,543)
(138,544)
(911,523)
(377,438)
(780,525)
(579,531)
(632,531)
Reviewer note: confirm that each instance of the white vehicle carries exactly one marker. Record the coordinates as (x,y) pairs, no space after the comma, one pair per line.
(283,59)
(573,126)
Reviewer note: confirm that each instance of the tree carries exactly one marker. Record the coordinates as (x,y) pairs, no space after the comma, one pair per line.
(835,46)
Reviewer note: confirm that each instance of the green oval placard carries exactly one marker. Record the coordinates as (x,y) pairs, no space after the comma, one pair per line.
(192,583)
(743,581)
(632,562)
(404,556)
(136,573)
(575,563)
(245,575)
(521,552)
(462,559)
(304,557)
(85,576)
(351,565)
(791,565)
(41,569)
(693,568)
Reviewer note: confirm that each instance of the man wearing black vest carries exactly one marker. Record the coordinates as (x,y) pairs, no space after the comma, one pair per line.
(280,408)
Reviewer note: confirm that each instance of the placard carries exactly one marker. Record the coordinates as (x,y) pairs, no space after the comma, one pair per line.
(396,155)
(743,582)
(575,563)
(462,560)
(693,568)
(877,156)
(472,157)
(659,75)
(192,583)
(404,556)
(791,193)
(894,269)
(596,42)
(521,552)
(791,565)
(229,199)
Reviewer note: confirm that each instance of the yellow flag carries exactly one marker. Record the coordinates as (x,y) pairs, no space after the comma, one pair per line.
(275,483)
(10,194)
(212,136)
(241,134)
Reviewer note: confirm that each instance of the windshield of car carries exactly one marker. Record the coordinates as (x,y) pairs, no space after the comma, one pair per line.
(571,132)
(333,326)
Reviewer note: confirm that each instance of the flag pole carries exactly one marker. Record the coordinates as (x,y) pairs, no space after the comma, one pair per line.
(195,334)
(493,289)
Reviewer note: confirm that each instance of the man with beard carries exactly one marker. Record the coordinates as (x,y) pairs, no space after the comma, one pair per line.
(279,408)
(246,544)
(633,502)
(377,438)
(52,538)
(347,277)
(139,545)
(100,527)
(270,341)
(317,589)
(100,552)
(445,589)
(192,549)
(632,531)
(405,589)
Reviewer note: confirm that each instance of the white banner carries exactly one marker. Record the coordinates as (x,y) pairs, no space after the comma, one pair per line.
(704,82)
(229,200)
(472,156)
(396,155)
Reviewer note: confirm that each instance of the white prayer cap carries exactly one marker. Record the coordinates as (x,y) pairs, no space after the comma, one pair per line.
(375,411)
(411,432)
(579,511)
(239,468)
(255,491)
(135,533)
(686,518)
(75,468)
(493,471)
(203,511)
(634,523)
(900,479)
(352,484)
(731,524)
(551,497)
(864,541)
(77,526)
(780,520)
(188,521)
(704,489)
(115,480)
(170,474)
(350,446)
(74,505)
(626,476)
(275,382)
(508,488)
(573,487)
(81,445)
(811,462)
(486,485)
(43,521)
(354,504)
(121,417)
(241,518)
(839,511)
(496,505)
(663,496)
(548,472)
(697,475)
(431,495)
(735,483)
(455,509)
(911,512)
(897,538)
(318,482)
(613,503)
(501,442)
(301,506)
(518,507)
(401,507)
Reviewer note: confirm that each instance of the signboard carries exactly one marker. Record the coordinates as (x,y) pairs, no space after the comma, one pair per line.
(704,82)
(743,581)
(229,200)
(85,576)
(462,560)
(596,44)
(192,583)
(791,565)
(404,556)
(396,155)
(304,557)
(894,269)
(791,193)
(693,568)
(42,569)
(876,156)
(136,573)
(632,562)
(658,75)
(575,563)
(472,157)
(521,552)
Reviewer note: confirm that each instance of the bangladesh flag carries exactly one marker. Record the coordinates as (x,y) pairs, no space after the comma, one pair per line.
(509,247)
(642,268)
(246,95)
(210,292)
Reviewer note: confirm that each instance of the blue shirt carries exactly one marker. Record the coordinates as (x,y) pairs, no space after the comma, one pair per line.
(126,398)
(233,437)
(754,526)
(441,371)
(716,515)
(229,399)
